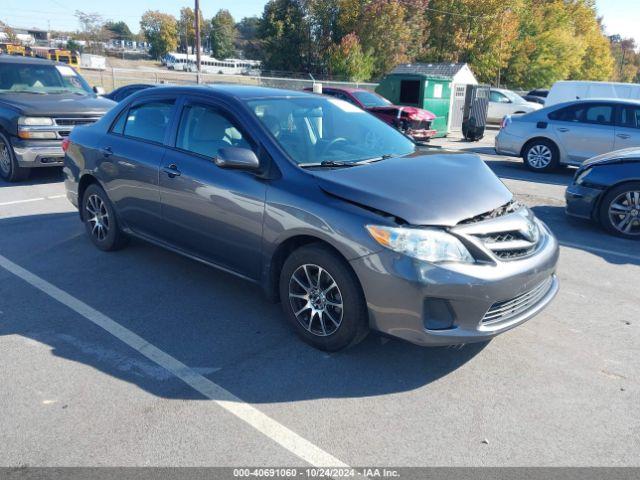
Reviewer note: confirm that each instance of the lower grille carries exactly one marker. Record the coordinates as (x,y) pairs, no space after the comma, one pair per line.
(508,309)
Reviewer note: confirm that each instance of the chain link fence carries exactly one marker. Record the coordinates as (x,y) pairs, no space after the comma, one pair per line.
(113,78)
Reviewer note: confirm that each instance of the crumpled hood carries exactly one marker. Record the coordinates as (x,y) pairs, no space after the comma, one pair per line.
(413,113)
(57,104)
(424,188)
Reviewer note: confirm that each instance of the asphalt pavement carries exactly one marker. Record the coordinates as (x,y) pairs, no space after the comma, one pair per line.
(143,357)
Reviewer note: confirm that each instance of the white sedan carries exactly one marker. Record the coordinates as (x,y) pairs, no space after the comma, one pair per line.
(505,102)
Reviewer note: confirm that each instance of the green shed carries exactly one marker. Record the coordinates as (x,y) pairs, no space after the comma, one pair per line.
(437,87)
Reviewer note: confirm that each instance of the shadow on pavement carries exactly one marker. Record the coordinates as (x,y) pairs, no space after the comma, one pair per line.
(38,176)
(219,325)
(588,236)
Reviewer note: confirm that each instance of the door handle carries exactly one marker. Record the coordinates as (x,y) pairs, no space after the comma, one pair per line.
(107,152)
(563,129)
(623,135)
(172,170)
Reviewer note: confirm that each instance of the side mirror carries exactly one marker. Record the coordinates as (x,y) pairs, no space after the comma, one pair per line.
(98,90)
(237,158)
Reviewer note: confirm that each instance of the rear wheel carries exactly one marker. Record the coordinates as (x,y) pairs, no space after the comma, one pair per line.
(620,211)
(100,220)
(541,156)
(9,168)
(322,298)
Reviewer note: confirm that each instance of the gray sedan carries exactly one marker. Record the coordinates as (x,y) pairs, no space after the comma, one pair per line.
(570,133)
(336,214)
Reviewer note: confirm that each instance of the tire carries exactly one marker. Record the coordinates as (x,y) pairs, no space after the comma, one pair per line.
(9,168)
(541,156)
(620,211)
(333,328)
(100,220)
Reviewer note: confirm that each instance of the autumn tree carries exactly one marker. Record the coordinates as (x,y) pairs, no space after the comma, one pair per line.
(558,40)
(247,39)
(118,30)
(223,34)
(285,36)
(347,60)
(161,31)
(626,59)
(384,32)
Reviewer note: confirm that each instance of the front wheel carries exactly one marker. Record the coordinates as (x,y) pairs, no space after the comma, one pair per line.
(100,220)
(541,156)
(620,211)
(9,168)
(322,299)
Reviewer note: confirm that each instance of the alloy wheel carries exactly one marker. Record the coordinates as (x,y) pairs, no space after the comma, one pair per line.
(98,217)
(624,213)
(316,300)
(5,158)
(539,156)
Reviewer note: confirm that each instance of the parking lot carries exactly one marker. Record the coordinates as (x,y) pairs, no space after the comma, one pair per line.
(143,357)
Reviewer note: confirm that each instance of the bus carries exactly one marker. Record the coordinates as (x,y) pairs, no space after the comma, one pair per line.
(176,61)
(57,54)
(230,66)
(13,49)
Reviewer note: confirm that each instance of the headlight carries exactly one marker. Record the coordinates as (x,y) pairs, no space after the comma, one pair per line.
(429,244)
(35,121)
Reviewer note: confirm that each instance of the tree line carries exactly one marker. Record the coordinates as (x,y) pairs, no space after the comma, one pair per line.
(518,43)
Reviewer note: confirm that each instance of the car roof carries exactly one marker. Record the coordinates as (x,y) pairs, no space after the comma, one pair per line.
(599,100)
(240,92)
(347,89)
(4,58)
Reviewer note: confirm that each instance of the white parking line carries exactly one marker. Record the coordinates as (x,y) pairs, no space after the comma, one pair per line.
(28,200)
(277,432)
(577,246)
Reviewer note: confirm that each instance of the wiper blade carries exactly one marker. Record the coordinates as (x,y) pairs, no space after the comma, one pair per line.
(386,156)
(329,164)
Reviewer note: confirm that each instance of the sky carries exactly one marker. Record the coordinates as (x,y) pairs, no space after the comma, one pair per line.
(620,16)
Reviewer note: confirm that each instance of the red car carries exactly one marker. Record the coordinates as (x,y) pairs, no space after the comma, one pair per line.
(412,121)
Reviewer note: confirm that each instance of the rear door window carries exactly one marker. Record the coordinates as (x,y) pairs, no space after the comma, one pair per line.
(599,114)
(149,121)
(630,117)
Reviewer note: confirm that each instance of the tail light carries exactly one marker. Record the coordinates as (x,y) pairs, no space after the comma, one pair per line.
(65,144)
(506,120)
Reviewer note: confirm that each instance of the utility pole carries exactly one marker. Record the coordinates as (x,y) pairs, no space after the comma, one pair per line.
(197,21)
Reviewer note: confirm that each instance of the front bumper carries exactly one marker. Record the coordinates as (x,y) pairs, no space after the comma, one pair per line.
(35,154)
(581,201)
(403,294)
(421,135)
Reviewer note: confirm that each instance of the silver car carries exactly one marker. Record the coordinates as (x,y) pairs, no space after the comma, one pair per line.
(570,133)
(504,102)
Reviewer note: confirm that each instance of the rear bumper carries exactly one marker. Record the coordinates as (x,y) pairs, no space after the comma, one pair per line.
(581,201)
(446,304)
(507,144)
(38,154)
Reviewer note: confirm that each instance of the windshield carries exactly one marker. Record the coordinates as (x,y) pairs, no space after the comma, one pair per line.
(370,100)
(318,129)
(43,79)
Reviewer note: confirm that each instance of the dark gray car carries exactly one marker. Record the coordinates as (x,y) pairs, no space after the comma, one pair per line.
(330,210)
